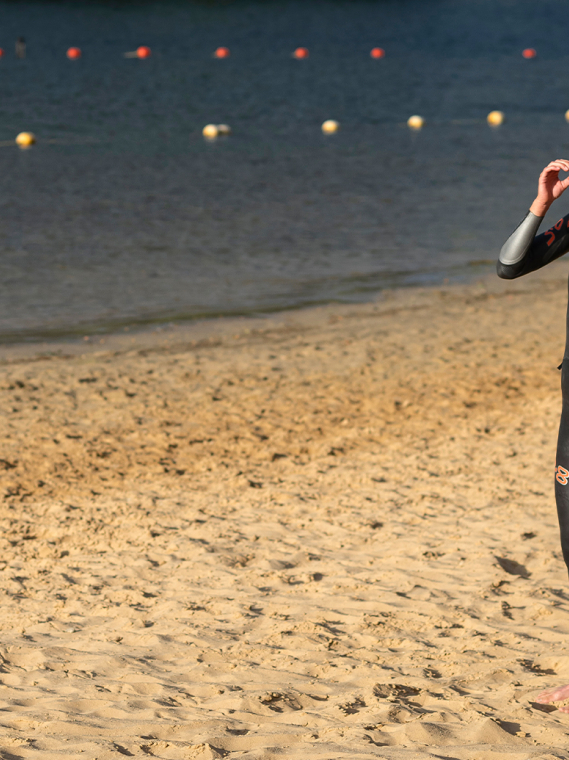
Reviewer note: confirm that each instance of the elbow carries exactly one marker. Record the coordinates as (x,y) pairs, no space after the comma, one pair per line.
(506,272)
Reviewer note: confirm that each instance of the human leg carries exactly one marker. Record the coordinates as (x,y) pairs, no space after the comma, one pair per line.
(560,693)
(562,467)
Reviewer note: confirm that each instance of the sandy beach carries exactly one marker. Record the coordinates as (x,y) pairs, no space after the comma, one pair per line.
(324,534)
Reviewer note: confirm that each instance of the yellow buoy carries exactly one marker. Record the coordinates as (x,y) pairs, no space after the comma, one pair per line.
(415,122)
(330,126)
(495,118)
(566,115)
(210,131)
(25,139)
(223,129)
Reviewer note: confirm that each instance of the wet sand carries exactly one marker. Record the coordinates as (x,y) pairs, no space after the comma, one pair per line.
(326,534)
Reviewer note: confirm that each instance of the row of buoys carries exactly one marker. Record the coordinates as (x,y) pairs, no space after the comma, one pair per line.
(300,53)
(329,127)
(494,119)
(221,52)
(211,131)
(74,53)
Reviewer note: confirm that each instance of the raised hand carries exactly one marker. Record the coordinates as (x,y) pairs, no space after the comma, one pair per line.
(550,187)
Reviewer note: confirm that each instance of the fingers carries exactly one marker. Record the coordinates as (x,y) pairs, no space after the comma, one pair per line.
(559,165)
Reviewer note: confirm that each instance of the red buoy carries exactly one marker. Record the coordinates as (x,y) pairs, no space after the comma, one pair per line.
(529,53)
(377,52)
(143,52)
(1,52)
(301,53)
(73,53)
(222,52)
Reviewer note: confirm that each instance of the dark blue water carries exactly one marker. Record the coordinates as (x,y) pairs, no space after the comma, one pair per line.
(122,213)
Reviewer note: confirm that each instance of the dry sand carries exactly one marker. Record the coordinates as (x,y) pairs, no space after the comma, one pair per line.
(328,534)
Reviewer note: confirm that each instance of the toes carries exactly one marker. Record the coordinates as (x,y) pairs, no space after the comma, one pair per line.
(553,695)
(547,696)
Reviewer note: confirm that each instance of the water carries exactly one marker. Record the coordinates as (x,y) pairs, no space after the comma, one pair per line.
(123,214)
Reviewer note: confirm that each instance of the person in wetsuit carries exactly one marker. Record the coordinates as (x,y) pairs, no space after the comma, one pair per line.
(523,252)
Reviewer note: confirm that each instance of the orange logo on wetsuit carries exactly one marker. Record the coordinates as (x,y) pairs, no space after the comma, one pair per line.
(561,475)
(556,226)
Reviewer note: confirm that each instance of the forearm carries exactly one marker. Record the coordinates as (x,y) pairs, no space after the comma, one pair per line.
(524,251)
(514,253)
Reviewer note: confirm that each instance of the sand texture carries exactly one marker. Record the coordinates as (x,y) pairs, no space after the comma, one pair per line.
(328,534)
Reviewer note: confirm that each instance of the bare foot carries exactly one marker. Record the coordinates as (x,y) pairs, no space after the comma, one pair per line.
(554,695)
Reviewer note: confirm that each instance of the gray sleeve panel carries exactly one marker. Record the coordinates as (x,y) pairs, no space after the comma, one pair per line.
(519,242)
(521,254)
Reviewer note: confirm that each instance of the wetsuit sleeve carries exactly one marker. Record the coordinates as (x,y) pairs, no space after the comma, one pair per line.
(524,252)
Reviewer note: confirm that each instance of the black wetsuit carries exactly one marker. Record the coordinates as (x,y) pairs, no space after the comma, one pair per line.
(522,253)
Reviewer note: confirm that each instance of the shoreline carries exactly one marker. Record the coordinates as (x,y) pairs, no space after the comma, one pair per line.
(329,533)
(194,331)
(101,330)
